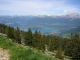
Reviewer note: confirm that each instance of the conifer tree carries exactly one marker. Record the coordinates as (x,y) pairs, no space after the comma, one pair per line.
(17,36)
(28,38)
(10,32)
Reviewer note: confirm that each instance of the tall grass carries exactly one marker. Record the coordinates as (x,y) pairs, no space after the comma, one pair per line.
(19,53)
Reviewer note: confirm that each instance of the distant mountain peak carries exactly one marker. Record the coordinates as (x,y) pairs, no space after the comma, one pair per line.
(73,15)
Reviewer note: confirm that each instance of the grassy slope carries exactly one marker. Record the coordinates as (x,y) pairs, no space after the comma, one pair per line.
(19,53)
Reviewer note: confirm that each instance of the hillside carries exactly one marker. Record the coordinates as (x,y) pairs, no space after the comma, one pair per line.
(17,52)
(56,46)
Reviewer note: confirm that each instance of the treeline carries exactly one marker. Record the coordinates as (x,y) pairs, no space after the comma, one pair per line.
(64,46)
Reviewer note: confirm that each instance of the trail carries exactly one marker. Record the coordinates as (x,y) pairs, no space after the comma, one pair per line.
(4,54)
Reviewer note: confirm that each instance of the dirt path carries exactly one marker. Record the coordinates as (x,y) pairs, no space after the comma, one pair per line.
(4,54)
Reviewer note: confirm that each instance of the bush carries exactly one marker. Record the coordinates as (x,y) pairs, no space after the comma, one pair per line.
(59,54)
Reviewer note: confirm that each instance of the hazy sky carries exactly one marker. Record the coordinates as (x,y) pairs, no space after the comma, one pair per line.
(38,7)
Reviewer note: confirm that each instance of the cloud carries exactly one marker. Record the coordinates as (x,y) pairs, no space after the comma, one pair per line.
(36,7)
(65,11)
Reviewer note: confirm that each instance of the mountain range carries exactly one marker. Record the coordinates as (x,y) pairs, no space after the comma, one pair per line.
(47,24)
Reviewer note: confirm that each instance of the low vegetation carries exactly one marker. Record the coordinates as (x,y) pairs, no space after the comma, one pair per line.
(19,53)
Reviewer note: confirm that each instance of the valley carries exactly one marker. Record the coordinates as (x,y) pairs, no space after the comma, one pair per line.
(54,25)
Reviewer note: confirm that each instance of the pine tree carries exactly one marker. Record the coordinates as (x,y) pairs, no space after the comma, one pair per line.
(35,39)
(28,38)
(17,36)
(10,32)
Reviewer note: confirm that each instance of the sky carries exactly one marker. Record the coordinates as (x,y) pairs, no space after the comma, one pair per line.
(39,7)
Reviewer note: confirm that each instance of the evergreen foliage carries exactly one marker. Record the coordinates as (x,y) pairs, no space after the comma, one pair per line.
(17,36)
(70,46)
(28,38)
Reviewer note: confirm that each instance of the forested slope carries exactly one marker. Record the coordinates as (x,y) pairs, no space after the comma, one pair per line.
(63,46)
